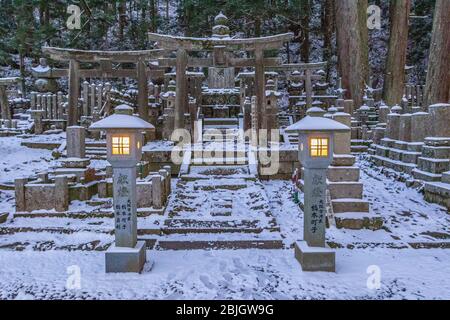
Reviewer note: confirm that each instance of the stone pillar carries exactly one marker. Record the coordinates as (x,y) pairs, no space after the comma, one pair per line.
(76,136)
(440,119)
(393,126)
(54,106)
(85,98)
(308,88)
(405,127)
(108,98)
(169,178)
(74,92)
(4,104)
(92,89)
(33,102)
(157,192)
(49,106)
(61,194)
(348,106)
(19,186)
(60,105)
(37,116)
(44,105)
(383,112)
(142,100)
(260,84)
(181,84)
(165,190)
(342,140)
(99,97)
(314,207)
(247,114)
(124,194)
(420,126)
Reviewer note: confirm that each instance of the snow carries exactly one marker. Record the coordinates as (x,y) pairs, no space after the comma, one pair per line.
(242,274)
(317,124)
(40,271)
(121,121)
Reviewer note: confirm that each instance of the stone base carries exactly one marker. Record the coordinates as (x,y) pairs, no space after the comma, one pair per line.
(315,258)
(120,259)
(438,192)
(3,217)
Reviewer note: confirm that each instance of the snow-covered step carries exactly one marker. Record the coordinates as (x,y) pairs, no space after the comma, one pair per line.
(215,241)
(185,226)
(350,205)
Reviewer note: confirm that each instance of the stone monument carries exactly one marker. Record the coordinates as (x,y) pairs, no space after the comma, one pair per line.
(124,143)
(316,147)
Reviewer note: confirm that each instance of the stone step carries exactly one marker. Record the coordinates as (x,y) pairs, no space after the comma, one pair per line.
(9,230)
(446,177)
(220,121)
(219,161)
(343,174)
(350,205)
(436,166)
(359,148)
(343,160)
(345,190)
(46,242)
(425,176)
(213,241)
(95,144)
(141,212)
(358,221)
(187,226)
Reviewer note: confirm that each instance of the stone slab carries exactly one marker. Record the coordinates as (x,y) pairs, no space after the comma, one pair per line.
(122,260)
(3,217)
(315,258)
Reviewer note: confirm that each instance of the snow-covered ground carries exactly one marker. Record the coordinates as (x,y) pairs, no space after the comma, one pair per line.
(405,272)
(240,274)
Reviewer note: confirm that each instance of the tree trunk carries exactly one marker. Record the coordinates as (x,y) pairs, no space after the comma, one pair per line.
(438,75)
(154,15)
(167,9)
(394,79)
(305,8)
(350,49)
(364,39)
(122,18)
(327,30)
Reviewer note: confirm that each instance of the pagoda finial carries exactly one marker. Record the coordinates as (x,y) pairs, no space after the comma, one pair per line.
(221,29)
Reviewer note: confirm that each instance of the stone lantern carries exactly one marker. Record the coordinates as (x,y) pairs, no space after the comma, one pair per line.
(363,114)
(124,150)
(46,79)
(316,148)
(271,105)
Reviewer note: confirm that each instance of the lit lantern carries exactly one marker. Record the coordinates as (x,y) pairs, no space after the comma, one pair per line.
(315,154)
(124,150)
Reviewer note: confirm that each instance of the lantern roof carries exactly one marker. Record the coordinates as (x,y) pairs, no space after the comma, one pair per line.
(122,119)
(317,124)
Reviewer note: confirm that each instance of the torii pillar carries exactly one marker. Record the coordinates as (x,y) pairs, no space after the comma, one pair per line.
(74,92)
(181,90)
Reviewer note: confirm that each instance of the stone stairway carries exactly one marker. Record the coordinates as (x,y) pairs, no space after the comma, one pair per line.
(217,207)
(285,121)
(88,228)
(96,150)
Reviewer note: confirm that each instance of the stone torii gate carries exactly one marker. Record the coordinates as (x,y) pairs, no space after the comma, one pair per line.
(105,59)
(308,77)
(221,45)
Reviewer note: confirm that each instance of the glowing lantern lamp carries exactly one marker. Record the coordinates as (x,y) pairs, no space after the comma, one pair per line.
(124,144)
(315,154)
